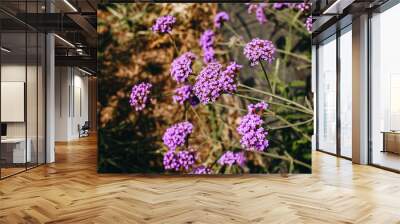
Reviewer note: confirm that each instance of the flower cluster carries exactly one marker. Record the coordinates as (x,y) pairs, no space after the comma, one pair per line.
(304,7)
(182,94)
(309,23)
(176,135)
(181,67)
(201,170)
(213,82)
(230,158)
(220,18)
(259,10)
(257,50)
(257,108)
(182,160)
(251,130)
(164,24)
(139,95)
(206,43)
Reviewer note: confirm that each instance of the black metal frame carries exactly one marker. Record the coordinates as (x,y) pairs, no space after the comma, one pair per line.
(44,71)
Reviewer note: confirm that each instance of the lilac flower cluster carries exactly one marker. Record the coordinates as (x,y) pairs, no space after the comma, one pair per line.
(257,50)
(228,77)
(259,10)
(251,130)
(201,170)
(176,135)
(230,158)
(182,160)
(139,95)
(303,6)
(181,67)
(206,43)
(164,24)
(308,23)
(257,108)
(182,94)
(212,81)
(220,18)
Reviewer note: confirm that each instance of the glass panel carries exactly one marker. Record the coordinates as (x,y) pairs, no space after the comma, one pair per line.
(32,98)
(327,96)
(13,87)
(346,93)
(385,84)
(41,99)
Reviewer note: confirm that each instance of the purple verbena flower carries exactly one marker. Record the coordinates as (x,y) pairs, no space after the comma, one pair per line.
(201,170)
(308,24)
(303,6)
(181,67)
(230,158)
(164,24)
(228,77)
(252,133)
(279,5)
(220,18)
(182,94)
(139,95)
(257,108)
(207,87)
(258,9)
(182,160)
(176,135)
(213,82)
(206,43)
(257,50)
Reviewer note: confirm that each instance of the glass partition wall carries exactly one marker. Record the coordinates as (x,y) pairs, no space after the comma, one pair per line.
(334,94)
(22,107)
(385,89)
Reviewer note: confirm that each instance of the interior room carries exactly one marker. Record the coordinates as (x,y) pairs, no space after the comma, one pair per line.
(22,98)
(58,163)
(385,88)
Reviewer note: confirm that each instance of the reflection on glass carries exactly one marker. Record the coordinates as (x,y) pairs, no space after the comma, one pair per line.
(327,96)
(346,93)
(14,153)
(385,92)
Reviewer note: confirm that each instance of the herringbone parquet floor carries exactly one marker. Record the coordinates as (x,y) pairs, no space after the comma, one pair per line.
(70,191)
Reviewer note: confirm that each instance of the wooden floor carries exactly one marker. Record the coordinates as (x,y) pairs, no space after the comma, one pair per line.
(70,191)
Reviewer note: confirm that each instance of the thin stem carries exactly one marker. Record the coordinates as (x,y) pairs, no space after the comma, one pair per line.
(286,158)
(293,55)
(279,97)
(173,42)
(275,103)
(266,75)
(291,125)
(233,31)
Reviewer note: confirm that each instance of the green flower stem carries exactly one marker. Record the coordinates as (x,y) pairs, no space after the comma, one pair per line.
(276,103)
(173,42)
(286,158)
(293,55)
(285,52)
(280,98)
(292,125)
(266,75)
(233,31)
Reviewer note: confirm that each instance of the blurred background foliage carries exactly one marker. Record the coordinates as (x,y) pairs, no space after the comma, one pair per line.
(129,52)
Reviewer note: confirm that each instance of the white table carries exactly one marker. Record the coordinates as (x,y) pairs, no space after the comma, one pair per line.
(19,153)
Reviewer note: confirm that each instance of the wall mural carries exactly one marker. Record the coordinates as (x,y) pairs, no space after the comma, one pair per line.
(204,88)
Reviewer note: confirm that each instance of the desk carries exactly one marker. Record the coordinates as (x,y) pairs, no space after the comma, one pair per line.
(391,141)
(13,150)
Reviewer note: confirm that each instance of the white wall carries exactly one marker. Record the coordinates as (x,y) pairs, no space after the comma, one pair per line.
(71,102)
